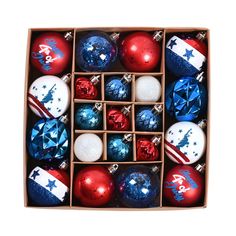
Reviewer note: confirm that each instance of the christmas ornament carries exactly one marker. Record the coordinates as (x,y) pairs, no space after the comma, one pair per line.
(49,96)
(49,139)
(184,186)
(94,185)
(147,149)
(186,98)
(186,56)
(147,89)
(140,51)
(119,147)
(138,186)
(48,187)
(96,51)
(118,119)
(118,88)
(185,142)
(89,116)
(51,52)
(88,147)
(85,88)
(148,118)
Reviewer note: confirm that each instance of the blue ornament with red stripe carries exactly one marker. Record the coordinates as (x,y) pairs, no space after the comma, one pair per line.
(185,56)
(47,187)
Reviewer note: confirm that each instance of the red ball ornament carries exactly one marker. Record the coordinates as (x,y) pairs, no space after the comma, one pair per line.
(183,186)
(94,186)
(118,119)
(140,51)
(51,53)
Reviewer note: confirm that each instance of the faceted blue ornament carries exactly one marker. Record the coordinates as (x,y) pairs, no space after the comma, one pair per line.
(186,99)
(48,139)
(138,186)
(95,51)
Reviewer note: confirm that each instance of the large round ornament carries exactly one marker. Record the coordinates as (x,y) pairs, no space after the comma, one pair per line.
(186,99)
(185,56)
(94,186)
(119,147)
(48,187)
(185,142)
(118,88)
(48,139)
(183,186)
(140,51)
(89,116)
(88,147)
(96,51)
(138,186)
(148,118)
(49,96)
(51,53)
(147,89)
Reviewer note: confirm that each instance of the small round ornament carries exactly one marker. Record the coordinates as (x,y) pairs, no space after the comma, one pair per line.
(96,51)
(48,187)
(49,96)
(148,118)
(49,139)
(138,186)
(118,119)
(85,88)
(147,89)
(186,98)
(118,88)
(185,56)
(184,186)
(89,116)
(185,142)
(94,185)
(119,147)
(147,149)
(88,147)
(141,51)
(51,52)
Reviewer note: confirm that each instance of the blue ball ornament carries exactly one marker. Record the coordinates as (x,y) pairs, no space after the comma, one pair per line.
(119,147)
(138,186)
(48,139)
(95,51)
(186,99)
(89,117)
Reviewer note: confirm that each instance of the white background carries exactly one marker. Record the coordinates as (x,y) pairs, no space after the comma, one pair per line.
(219,16)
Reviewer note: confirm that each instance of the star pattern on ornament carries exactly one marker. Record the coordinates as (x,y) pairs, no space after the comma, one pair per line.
(35,174)
(59,99)
(180,131)
(188,54)
(172,43)
(44,86)
(195,143)
(51,184)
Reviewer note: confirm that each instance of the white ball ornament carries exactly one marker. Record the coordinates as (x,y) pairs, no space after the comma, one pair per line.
(147,89)
(88,147)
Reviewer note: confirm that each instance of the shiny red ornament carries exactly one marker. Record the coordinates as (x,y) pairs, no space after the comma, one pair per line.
(94,186)
(140,52)
(50,53)
(183,186)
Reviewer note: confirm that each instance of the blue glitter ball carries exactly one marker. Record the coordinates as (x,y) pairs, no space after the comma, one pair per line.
(48,140)
(186,99)
(88,118)
(95,52)
(118,149)
(137,186)
(116,89)
(147,120)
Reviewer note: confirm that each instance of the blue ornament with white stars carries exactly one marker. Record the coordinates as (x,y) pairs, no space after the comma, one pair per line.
(89,116)
(186,99)
(96,51)
(119,147)
(47,187)
(138,186)
(118,88)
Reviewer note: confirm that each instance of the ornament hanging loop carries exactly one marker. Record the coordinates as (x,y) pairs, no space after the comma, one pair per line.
(98,107)
(200,77)
(157,109)
(64,119)
(202,123)
(126,110)
(64,165)
(127,78)
(66,78)
(155,169)
(114,36)
(128,138)
(113,168)
(158,35)
(201,36)
(68,36)
(201,168)
(156,140)
(95,79)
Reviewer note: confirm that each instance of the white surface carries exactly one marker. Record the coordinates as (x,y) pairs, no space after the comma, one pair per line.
(219,217)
